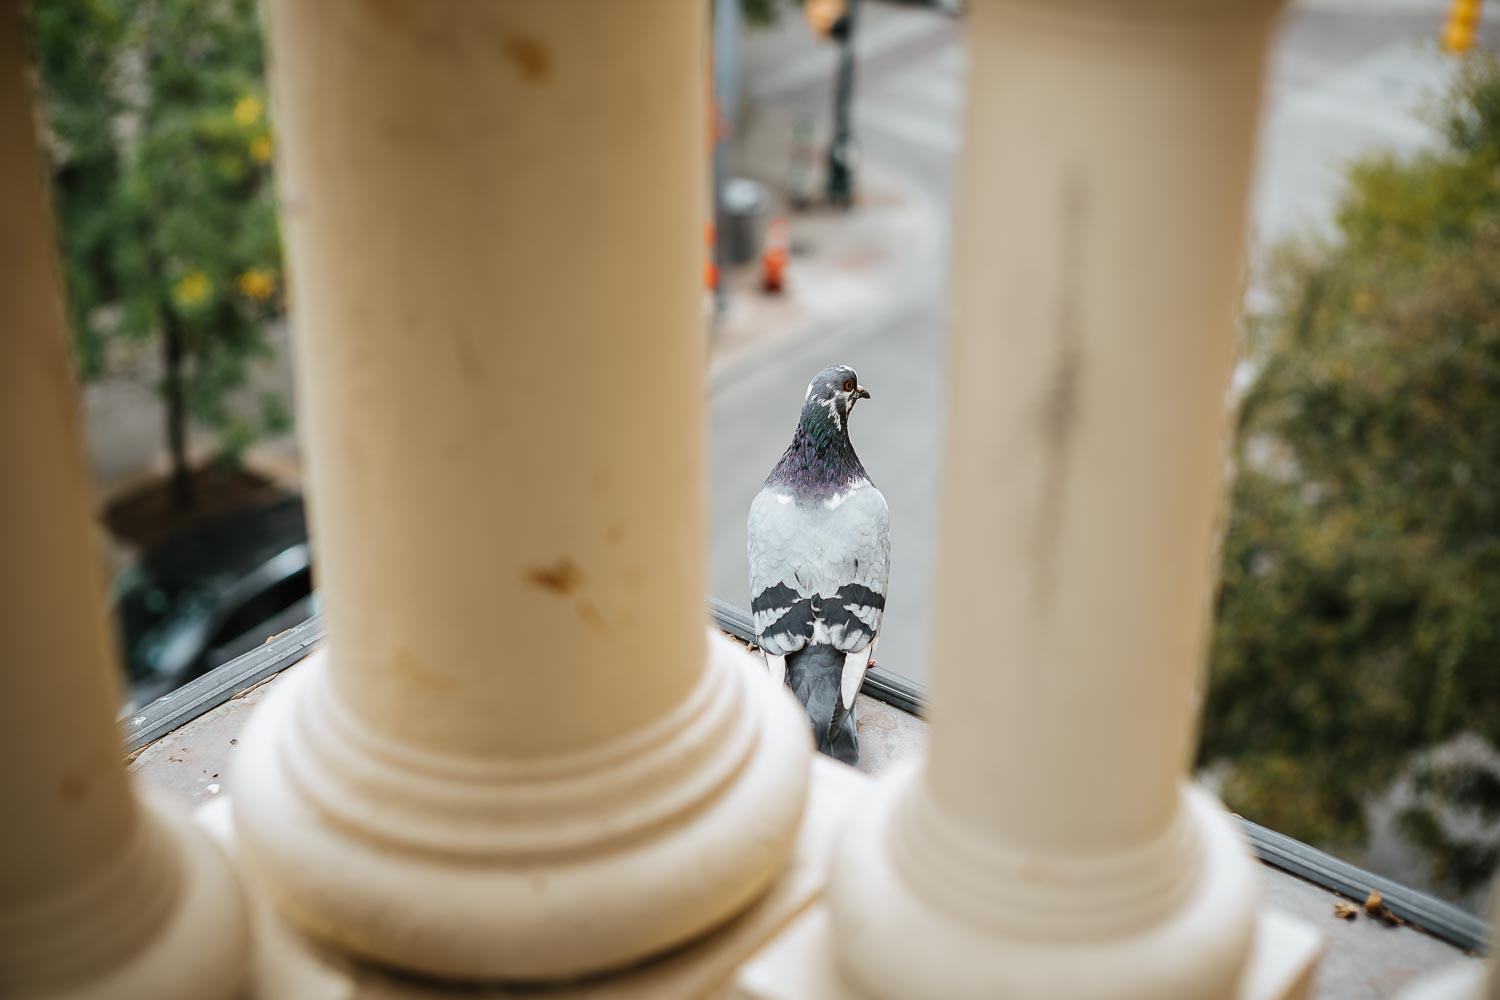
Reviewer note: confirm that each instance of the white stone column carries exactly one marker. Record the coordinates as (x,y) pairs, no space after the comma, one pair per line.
(1050,845)
(521,756)
(100,895)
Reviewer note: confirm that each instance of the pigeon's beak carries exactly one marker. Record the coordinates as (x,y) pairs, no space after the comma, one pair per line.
(862,392)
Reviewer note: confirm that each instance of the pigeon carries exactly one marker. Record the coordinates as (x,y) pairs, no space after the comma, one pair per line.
(819,546)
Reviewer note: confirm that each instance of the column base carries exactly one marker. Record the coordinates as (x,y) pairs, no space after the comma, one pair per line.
(288,963)
(197,944)
(493,871)
(921,909)
(800,964)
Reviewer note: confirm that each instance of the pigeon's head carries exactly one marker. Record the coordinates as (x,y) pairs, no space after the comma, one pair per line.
(837,389)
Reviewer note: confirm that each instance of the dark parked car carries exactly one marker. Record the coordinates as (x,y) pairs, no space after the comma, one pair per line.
(214,593)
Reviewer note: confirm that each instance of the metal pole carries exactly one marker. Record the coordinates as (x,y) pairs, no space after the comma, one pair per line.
(843,152)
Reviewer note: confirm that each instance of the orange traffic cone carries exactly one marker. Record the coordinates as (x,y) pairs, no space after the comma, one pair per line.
(773,259)
(710,267)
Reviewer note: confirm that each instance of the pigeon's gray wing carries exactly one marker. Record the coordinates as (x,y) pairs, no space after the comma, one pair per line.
(779,552)
(818,571)
(864,599)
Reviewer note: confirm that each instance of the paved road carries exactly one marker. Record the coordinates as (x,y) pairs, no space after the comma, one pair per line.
(913,67)
(1345,78)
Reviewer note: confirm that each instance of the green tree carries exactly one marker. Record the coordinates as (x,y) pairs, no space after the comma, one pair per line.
(760,13)
(161,156)
(1358,620)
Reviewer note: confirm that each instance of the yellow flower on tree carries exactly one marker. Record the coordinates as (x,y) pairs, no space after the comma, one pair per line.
(192,289)
(260,149)
(247,110)
(257,283)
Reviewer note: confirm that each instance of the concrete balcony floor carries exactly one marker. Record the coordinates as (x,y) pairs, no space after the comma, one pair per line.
(1363,957)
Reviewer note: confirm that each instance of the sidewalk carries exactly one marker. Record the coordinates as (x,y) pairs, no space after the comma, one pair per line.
(125,423)
(846,267)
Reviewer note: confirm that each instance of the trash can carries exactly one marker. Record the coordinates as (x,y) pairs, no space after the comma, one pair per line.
(745,205)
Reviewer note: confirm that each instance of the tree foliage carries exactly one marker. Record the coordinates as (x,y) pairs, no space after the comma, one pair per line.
(1359,616)
(161,152)
(760,13)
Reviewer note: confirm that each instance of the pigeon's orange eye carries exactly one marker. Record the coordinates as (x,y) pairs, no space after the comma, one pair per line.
(848,385)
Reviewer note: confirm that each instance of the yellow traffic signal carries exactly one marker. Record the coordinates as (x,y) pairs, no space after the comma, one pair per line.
(1463,23)
(822,15)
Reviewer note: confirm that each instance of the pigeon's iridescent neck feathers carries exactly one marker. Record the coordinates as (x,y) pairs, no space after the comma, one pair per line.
(820,462)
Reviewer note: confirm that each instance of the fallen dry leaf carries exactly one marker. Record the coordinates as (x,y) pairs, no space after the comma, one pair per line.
(1375,907)
(1345,911)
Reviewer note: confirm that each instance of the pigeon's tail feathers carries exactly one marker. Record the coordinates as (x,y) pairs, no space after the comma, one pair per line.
(815,673)
(776,665)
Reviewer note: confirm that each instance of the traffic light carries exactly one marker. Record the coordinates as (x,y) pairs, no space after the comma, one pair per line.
(823,15)
(1463,23)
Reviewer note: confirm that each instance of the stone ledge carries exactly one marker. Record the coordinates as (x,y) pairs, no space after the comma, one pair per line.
(1363,959)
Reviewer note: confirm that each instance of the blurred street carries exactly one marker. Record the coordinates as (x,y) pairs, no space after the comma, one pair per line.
(1347,78)
(868,287)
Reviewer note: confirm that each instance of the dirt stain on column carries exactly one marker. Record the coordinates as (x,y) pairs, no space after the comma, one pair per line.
(532,61)
(1058,416)
(564,579)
